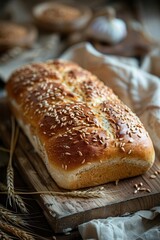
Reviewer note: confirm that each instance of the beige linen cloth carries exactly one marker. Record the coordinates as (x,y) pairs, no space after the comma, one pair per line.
(143,225)
(151,62)
(141,92)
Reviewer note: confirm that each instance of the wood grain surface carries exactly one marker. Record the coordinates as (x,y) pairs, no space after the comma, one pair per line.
(66,213)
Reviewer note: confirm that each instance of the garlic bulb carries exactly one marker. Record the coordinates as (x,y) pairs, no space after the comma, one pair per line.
(108,29)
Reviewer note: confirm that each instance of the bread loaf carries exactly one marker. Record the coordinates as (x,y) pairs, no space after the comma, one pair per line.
(16,35)
(82,131)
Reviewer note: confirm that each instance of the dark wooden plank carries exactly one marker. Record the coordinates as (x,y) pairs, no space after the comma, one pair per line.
(66,213)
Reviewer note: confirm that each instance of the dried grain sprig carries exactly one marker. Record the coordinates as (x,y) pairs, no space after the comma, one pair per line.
(10,184)
(9,216)
(4,236)
(21,234)
(81,194)
(10,171)
(20,203)
(15,198)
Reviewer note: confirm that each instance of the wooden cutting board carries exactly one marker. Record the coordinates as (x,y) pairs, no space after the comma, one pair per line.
(66,213)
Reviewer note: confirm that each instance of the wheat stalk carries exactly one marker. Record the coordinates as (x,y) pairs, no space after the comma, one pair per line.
(10,184)
(15,197)
(82,194)
(9,216)
(4,236)
(10,171)
(20,203)
(4,149)
(21,234)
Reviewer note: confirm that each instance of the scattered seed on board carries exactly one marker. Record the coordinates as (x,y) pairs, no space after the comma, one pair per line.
(136,185)
(143,189)
(140,184)
(148,190)
(153,176)
(156,173)
(140,188)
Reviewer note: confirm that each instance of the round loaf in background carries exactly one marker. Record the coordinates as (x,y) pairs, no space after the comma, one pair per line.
(61,17)
(82,131)
(13,34)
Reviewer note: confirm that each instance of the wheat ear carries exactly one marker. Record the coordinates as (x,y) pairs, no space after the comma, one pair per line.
(20,203)
(10,171)
(81,194)
(8,216)
(16,198)
(4,236)
(21,234)
(10,183)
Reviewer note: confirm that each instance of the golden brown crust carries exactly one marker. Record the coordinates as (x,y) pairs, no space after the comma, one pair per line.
(81,124)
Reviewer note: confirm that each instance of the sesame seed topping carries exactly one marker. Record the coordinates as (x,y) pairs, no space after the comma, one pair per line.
(67,147)
(129,152)
(83,161)
(67,153)
(80,153)
(123,149)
